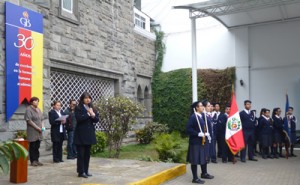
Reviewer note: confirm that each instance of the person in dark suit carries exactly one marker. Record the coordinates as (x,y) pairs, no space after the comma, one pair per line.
(86,116)
(248,124)
(292,126)
(197,150)
(222,121)
(277,132)
(266,130)
(58,131)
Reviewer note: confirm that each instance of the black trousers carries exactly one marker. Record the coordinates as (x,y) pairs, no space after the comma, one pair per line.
(249,138)
(34,153)
(83,158)
(57,151)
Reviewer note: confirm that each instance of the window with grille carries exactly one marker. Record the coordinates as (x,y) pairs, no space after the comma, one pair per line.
(140,21)
(66,86)
(67,5)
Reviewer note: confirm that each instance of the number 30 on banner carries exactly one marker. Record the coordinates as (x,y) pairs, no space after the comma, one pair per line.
(23,42)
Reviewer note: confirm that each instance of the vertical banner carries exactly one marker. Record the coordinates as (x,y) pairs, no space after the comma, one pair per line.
(24,56)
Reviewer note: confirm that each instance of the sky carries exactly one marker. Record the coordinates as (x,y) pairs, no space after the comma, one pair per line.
(174,20)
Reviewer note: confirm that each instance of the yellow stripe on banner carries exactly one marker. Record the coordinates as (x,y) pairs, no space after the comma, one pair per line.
(37,67)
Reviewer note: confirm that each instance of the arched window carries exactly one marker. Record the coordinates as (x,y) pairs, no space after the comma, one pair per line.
(140,97)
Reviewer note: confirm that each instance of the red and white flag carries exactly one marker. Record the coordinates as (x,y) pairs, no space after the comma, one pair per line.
(234,133)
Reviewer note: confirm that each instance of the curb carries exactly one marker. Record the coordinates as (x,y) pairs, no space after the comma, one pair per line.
(163,176)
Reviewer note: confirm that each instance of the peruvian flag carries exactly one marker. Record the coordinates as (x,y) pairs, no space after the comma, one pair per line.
(234,133)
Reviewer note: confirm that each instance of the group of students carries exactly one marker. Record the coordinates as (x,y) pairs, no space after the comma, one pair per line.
(207,127)
(77,127)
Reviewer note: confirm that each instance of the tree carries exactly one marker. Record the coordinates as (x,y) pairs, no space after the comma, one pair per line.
(118,113)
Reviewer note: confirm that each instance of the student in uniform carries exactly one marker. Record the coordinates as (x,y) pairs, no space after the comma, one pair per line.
(266,129)
(207,113)
(222,121)
(292,121)
(277,132)
(216,115)
(198,139)
(248,124)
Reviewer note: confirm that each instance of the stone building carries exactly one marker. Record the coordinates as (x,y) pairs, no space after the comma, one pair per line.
(104,47)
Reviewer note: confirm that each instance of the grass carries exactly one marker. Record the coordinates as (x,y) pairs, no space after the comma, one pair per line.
(144,152)
(134,151)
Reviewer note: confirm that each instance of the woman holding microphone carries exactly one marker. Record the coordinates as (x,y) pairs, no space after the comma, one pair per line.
(86,116)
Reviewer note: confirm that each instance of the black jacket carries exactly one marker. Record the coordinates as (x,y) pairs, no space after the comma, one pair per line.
(56,136)
(85,129)
(248,121)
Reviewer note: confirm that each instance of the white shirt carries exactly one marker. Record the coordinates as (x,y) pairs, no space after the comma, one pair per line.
(247,111)
(61,126)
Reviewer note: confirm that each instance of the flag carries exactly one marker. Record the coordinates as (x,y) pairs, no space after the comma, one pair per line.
(286,128)
(234,133)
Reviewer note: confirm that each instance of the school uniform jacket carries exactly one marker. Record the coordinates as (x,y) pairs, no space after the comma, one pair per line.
(55,127)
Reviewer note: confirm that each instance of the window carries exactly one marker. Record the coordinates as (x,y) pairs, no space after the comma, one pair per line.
(67,5)
(140,21)
(68,10)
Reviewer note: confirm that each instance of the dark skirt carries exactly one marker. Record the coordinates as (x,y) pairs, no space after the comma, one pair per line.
(266,140)
(293,138)
(278,137)
(197,154)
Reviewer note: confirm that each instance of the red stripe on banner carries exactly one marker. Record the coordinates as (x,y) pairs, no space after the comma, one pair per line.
(24,65)
(236,142)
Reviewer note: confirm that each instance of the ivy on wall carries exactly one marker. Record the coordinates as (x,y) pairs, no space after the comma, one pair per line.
(172,91)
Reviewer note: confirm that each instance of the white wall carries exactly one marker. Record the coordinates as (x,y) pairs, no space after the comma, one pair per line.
(274,53)
(214,49)
(267,59)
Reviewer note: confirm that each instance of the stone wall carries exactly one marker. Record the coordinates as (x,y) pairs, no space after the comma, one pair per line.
(102,43)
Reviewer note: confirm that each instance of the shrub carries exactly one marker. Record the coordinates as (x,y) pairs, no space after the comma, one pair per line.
(146,135)
(169,147)
(118,113)
(9,151)
(172,93)
(101,143)
(21,134)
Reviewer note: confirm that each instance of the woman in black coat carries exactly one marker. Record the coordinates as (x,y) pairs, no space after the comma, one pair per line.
(58,131)
(86,116)
(198,141)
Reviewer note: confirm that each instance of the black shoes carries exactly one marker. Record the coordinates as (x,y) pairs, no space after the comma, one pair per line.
(206,176)
(198,181)
(243,160)
(88,174)
(252,159)
(70,157)
(82,175)
(214,161)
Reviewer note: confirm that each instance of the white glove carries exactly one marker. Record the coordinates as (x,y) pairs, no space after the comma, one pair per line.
(207,134)
(201,134)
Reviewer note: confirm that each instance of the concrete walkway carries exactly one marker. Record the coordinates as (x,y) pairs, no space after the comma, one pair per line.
(120,172)
(105,171)
(267,172)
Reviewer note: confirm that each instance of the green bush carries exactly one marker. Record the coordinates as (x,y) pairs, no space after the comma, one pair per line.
(146,135)
(172,94)
(169,147)
(172,97)
(101,143)
(118,113)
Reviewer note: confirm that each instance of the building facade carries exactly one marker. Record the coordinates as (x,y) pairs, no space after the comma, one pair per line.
(92,46)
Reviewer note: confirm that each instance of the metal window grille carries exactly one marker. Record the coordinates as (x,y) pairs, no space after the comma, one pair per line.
(67,5)
(66,86)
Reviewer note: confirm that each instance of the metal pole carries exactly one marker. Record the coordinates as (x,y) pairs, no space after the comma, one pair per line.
(194,59)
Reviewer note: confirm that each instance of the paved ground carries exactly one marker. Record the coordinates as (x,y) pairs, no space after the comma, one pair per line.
(120,172)
(105,171)
(267,172)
